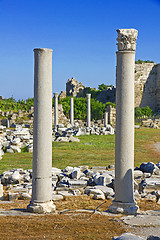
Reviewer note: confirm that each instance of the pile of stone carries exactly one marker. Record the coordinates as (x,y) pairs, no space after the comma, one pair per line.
(66,134)
(22,137)
(97,182)
(151,123)
(13,140)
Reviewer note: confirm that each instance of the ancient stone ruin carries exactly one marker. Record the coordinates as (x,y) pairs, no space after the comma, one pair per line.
(147,85)
(73,87)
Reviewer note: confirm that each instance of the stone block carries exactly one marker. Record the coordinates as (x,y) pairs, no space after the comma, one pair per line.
(148,167)
(77,183)
(1,191)
(57,197)
(128,236)
(76,173)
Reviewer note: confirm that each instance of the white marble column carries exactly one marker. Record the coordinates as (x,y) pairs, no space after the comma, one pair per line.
(55,109)
(71,111)
(41,201)
(105,119)
(88,109)
(124,143)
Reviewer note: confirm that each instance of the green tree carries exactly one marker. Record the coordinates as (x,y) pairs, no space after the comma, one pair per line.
(146,111)
(138,112)
(103,86)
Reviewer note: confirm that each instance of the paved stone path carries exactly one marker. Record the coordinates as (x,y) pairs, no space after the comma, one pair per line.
(144,225)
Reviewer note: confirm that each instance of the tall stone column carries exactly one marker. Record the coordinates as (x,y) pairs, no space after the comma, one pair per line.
(71,112)
(55,109)
(41,201)
(88,109)
(124,143)
(105,119)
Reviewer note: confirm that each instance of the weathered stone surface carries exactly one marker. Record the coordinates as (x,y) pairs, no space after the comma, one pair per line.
(138,174)
(128,236)
(76,173)
(152,219)
(56,197)
(151,237)
(147,167)
(147,82)
(153,183)
(1,191)
(106,190)
(73,87)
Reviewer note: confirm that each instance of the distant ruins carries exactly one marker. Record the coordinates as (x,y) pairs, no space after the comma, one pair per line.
(147,87)
(74,88)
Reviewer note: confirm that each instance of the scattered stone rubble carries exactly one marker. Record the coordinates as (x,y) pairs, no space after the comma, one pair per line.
(66,134)
(97,182)
(14,140)
(151,123)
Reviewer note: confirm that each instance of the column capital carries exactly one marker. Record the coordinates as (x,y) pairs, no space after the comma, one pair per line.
(127,39)
(42,50)
(55,94)
(88,95)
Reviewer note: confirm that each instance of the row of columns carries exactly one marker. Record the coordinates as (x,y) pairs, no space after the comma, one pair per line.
(72,110)
(124,144)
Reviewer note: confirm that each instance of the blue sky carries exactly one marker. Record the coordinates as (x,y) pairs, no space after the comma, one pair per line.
(82,34)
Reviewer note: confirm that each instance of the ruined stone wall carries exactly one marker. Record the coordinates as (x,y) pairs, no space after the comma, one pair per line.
(107,95)
(73,87)
(147,85)
(61,117)
(158,87)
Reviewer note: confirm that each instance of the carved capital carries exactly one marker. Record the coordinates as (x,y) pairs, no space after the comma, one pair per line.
(127,39)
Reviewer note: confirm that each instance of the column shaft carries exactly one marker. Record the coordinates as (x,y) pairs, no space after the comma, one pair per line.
(42,135)
(88,110)
(71,111)
(105,119)
(124,143)
(55,109)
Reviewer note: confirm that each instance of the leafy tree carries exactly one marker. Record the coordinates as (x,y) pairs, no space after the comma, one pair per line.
(92,91)
(138,112)
(66,105)
(80,108)
(111,104)
(103,86)
(146,111)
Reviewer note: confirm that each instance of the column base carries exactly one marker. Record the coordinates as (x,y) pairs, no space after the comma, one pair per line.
(47,207)
(124,208)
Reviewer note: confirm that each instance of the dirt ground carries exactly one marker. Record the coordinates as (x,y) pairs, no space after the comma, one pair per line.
(68,225)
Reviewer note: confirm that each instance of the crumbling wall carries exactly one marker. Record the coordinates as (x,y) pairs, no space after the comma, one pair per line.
(147,85)
(73,87)
(107,95)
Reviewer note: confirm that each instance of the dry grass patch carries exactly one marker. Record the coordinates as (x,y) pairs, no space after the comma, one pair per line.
(69,225)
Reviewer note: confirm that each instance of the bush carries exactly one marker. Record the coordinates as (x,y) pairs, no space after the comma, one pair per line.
(11,104)
(141,61)
(103,86)
(145,111)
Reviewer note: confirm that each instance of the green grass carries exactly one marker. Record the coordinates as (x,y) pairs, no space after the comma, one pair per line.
(92,150)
